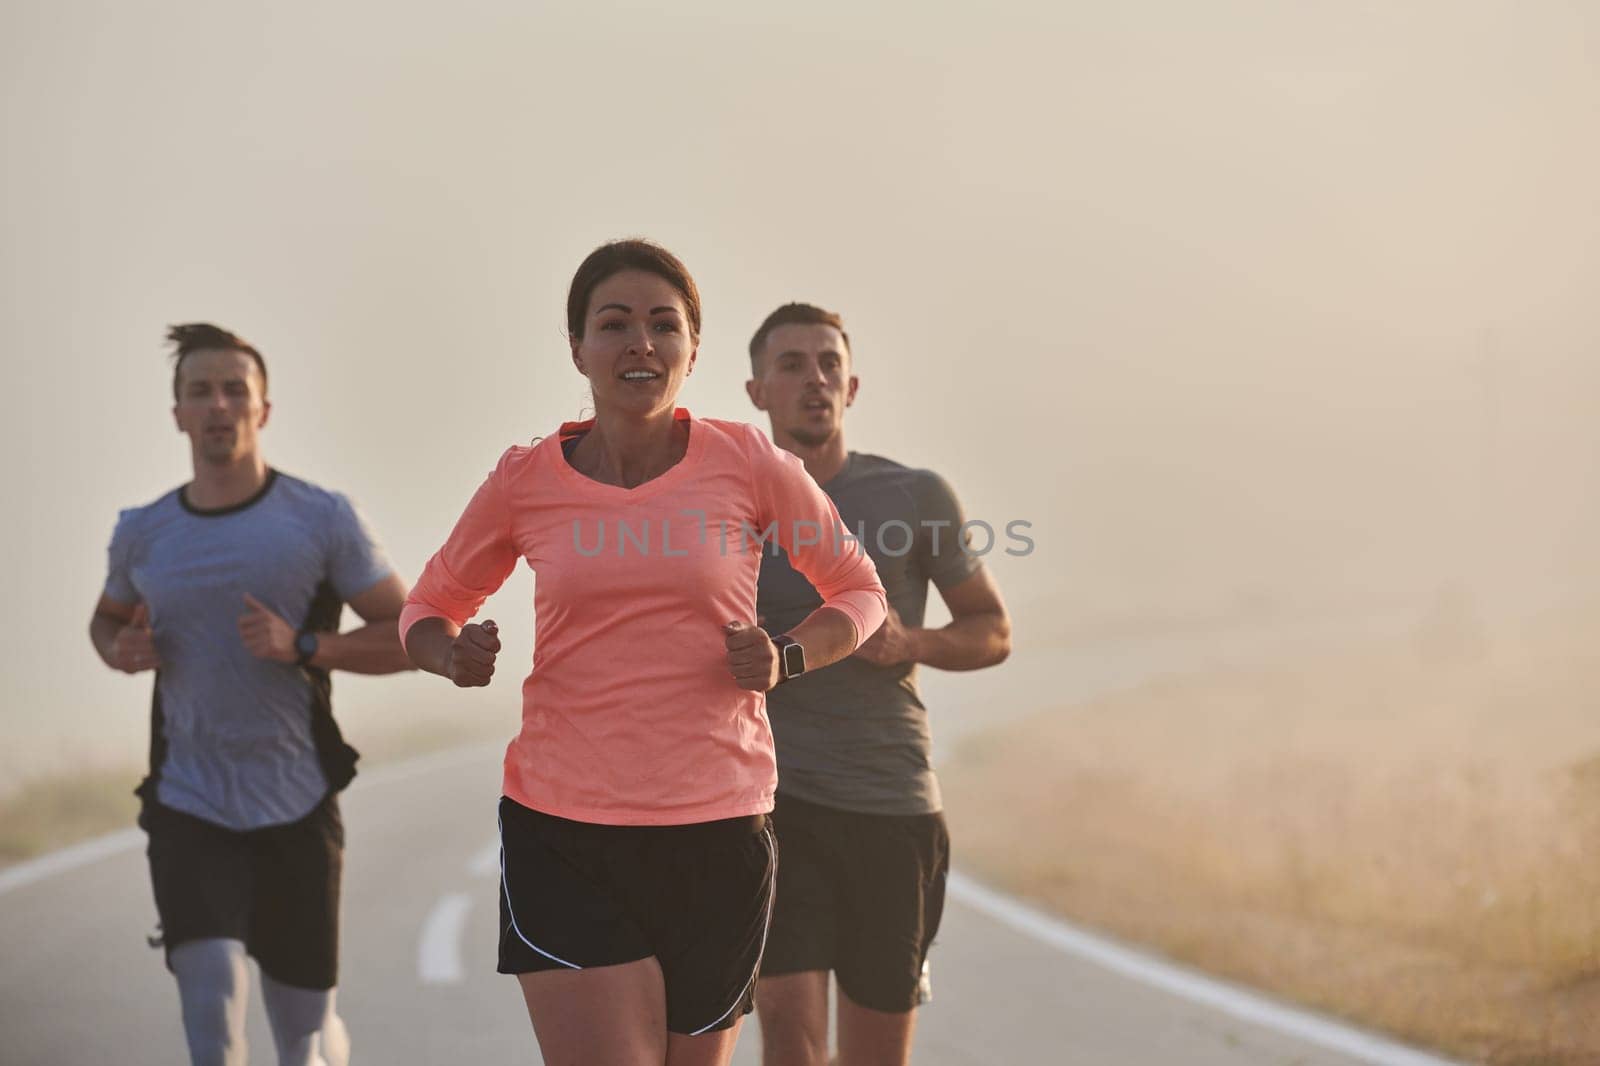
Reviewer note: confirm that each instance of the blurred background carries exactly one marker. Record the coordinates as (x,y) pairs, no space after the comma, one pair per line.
(1276,322)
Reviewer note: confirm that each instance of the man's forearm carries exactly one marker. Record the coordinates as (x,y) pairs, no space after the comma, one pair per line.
(372,649)
(103,630)
(969,643)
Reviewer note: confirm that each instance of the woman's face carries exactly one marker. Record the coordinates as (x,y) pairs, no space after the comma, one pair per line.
(636,348)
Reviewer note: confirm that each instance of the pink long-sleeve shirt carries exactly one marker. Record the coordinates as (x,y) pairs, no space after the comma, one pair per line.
(630,715)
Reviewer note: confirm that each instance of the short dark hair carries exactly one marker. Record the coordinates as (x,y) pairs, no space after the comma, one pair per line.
(634,253)
(204,337)
(795,314)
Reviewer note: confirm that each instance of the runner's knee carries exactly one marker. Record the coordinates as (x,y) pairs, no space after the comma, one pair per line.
(305,1026)
(794,1027)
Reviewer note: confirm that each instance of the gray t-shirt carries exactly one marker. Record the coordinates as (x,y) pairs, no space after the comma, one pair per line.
(855,736)
(236,740)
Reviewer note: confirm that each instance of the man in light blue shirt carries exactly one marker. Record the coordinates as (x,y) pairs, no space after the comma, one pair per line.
(231,588)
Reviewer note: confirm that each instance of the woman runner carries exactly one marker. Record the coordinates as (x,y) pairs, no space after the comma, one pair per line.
(636,859)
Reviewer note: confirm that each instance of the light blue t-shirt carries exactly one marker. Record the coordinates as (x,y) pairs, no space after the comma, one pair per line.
(239,741)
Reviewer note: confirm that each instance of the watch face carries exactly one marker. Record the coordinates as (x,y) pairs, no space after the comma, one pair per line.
(306,644)
(794,660)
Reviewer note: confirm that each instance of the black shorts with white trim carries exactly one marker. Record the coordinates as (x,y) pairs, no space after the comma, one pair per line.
(696,897)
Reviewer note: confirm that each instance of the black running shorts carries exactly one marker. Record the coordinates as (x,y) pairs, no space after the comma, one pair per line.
(696,897)
(861,895)
(276,889)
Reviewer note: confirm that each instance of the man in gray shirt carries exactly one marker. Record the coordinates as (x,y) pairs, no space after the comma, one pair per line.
(862,842)
(231,588)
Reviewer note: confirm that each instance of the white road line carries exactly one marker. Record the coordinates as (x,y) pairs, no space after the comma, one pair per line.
(487,862)
(1232,1000)
(59,862)
(439,949)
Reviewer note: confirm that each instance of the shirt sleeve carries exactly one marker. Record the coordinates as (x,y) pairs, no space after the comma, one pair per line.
(119,569)
(474,561)
(806,525)
(944,550)
(355,562)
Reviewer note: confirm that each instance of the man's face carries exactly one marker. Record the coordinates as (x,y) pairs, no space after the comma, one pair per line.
(221,405)
(803,381)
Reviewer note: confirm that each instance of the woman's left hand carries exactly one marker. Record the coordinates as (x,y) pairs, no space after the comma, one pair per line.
(752,659)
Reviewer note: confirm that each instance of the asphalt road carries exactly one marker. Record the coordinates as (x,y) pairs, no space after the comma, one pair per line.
(79,986)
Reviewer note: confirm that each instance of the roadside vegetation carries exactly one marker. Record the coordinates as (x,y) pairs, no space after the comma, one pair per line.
(1404,836)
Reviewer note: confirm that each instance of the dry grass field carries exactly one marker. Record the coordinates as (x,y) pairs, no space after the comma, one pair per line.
(1408,837)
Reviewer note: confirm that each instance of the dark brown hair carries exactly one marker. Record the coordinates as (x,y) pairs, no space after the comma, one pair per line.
(632,254)
(795,314)
(204,337)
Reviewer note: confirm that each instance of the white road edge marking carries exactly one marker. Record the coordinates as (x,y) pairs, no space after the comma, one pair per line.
(1229,999)
(1233,1000)
(439,948)
(59,862)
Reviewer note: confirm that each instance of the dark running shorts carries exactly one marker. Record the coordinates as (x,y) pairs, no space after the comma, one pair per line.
(697,897)
(861,895)
(276,889)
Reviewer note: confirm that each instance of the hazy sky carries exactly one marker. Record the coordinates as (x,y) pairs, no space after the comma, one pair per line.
(1236,302)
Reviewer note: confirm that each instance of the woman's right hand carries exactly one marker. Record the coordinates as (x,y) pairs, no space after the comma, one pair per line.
(470,663)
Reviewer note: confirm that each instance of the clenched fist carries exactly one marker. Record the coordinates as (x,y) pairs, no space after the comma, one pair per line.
(134,649)
(752,659)
(264,632)
(470,663)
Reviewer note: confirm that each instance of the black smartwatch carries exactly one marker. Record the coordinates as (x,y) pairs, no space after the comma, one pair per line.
(791,657)
(305,646)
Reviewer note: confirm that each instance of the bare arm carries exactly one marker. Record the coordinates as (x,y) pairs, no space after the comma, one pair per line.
(979,633)
(122,636)
(428,644)
(827,635)
(464,654)
(375,647)
(370,649)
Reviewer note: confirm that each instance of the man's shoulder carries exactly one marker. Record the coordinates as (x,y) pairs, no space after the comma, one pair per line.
(866,464)
(868,468)
(877,486)
(131,518)
(300,493)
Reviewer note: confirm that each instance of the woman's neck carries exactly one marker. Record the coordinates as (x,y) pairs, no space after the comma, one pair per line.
(630,451)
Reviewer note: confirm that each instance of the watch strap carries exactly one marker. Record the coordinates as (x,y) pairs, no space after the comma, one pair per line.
(791,657)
